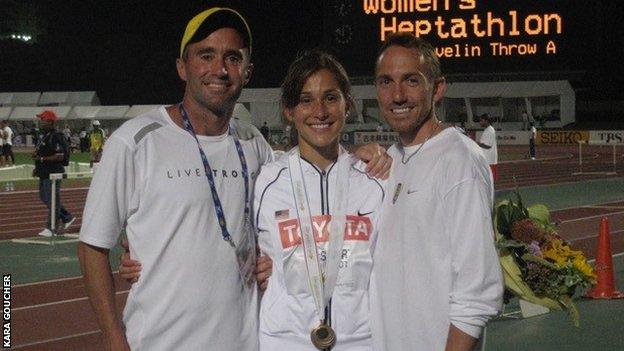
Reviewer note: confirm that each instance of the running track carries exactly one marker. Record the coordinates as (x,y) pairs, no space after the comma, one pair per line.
(56,315)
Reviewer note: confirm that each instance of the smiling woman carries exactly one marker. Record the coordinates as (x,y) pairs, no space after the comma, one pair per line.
(328,221)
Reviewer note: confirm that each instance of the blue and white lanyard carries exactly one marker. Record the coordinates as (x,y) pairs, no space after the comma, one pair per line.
(213,189)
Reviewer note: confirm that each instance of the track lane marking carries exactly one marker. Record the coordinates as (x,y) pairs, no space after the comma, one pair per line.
(60,302)
(56,339)
(596,235)
(592,217)
(54,281)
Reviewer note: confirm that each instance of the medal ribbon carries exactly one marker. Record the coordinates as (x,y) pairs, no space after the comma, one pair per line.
(211,182)
(321,285)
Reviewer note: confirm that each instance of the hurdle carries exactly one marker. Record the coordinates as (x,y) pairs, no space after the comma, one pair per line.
(585,171)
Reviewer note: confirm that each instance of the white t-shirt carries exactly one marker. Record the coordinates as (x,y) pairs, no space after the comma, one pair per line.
(435,262)
(489,138)
(533,132)
(151,182)
(287,312)
(7,137)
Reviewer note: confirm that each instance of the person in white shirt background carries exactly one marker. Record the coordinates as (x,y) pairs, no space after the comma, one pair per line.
(488,144)
(532,138)
(7,146)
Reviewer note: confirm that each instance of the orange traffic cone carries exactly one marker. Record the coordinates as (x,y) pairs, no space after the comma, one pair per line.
(605,287)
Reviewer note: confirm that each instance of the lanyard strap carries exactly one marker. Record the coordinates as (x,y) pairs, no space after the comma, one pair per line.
(321,284)
(211,182)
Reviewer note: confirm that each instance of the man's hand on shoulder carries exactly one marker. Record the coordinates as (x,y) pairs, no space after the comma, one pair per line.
(377,160)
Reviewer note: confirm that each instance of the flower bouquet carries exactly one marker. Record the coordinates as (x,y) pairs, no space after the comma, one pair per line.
(538,265)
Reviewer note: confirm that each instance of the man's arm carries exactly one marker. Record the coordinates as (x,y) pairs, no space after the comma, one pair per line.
(477,285)
(457,340)
(98,280)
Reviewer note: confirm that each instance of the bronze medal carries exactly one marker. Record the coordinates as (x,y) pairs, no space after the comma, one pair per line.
(323,337)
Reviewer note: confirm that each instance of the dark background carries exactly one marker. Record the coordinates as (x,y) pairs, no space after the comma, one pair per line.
(126,50)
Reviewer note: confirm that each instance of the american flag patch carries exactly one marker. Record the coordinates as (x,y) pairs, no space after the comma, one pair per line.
(281,214)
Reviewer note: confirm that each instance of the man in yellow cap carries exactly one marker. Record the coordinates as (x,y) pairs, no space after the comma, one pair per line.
(179,179)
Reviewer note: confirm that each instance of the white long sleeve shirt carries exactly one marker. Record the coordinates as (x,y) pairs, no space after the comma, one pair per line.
(435,262)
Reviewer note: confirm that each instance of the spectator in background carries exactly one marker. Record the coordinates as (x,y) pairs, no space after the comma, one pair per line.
(67,133)
(2,159)
(488,143)
(532,138)
(48,157)
(264,130)
(84,141)
(380,127)
(7,143)
(34,131)
(525,120)
(96,142)
(74,143)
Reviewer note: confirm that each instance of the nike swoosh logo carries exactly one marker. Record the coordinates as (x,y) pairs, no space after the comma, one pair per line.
(412,191)
(364,214)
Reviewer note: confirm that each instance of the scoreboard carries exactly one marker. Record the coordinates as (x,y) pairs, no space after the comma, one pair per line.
(470,36)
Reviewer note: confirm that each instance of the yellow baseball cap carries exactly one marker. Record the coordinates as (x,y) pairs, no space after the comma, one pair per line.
(200,27)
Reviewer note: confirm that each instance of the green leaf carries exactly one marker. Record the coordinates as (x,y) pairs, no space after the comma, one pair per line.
(539,213)
(525,213)
(532,258)
(572,310)
(509,243)
(503,225)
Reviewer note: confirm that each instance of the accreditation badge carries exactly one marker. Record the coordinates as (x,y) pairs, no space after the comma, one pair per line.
(246,256)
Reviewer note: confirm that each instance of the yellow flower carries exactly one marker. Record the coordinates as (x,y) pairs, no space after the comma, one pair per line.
(580,264)
(556,252)
(561,254)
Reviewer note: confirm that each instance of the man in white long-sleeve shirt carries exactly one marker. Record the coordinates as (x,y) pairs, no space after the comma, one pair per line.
(436,279)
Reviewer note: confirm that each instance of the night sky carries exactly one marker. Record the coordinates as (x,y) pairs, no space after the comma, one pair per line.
(126,50)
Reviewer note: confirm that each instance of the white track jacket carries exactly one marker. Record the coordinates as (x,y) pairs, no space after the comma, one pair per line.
(287,312)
